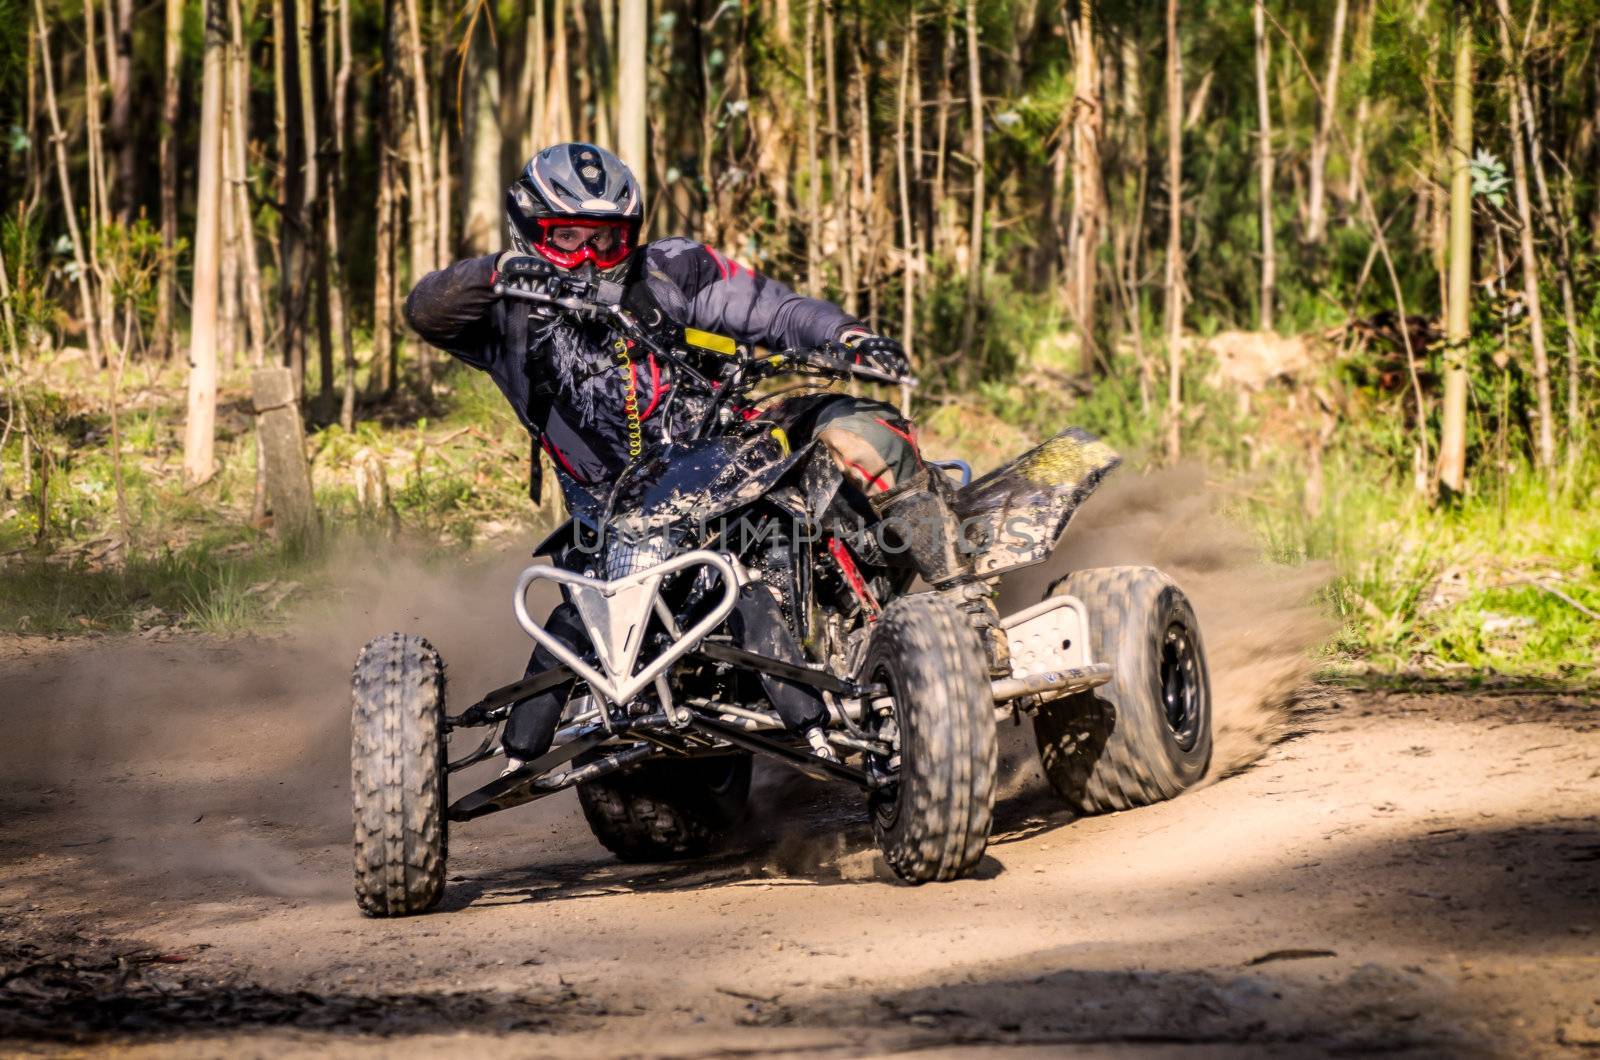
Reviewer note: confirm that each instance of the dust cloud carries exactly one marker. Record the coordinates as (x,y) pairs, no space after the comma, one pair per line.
(203,762)
(1259,621)
(203,766)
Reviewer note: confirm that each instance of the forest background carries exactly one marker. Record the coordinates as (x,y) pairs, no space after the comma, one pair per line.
(1342,256)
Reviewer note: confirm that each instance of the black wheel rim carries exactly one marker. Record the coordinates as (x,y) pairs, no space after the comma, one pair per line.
(1182,690)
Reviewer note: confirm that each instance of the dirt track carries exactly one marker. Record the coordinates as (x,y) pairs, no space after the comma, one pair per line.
(1395,872)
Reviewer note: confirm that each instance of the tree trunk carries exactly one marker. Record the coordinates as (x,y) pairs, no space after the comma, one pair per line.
(1556,224)
(558,114)
(1366,14)
(1135,187)
(969,316)
(335,171)
(312,208)
(380,374)
(863,240)
(99,179)
(941,126)
(1088,200)
(199,435)
(172,40)
(532,82)
(838,179)
(814,282)
(229,322)
(1316,192)
(91,320)
(122,137)
(633,88)
(239,188)
(1546,451)
(99,207)
(485,183)
(1269,252)
(422,120)
(1453,425)
(1174,280)
(294,232)
(908,246)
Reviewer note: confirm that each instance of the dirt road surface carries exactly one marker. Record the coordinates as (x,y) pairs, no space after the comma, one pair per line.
(1416,873)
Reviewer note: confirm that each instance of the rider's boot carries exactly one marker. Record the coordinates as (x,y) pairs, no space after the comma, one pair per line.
(757,624)
(531,725)
(918,511)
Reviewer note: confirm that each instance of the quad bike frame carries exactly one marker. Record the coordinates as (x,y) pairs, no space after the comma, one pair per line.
(1049,654)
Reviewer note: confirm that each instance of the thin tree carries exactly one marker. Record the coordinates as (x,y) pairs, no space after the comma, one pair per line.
(633,87)
(165,281)
(1453,423)
(814,157)
(908,246)
(485,184)
(1556,224)
(1546,451)
(1088,198)
(238,186)
(91,320)
(1174,278)
(838,181)
(1316,195)
(199,435)
(295,224)
(380,377)
(422,122)
(969,316)
(122,138)
(335,170)
(1269,251)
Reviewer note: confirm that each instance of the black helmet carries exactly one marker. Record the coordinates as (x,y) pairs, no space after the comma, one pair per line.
(570,189)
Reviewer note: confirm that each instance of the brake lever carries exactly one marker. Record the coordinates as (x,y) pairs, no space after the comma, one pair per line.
(816,358)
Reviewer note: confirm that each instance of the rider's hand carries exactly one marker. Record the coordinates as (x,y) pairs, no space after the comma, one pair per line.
(876,351)
(515,267)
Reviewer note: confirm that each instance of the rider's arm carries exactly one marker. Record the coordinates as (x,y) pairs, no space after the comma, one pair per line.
(729,299)
(453,309)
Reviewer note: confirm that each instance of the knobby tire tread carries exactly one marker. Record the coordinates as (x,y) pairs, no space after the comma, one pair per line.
(398,776)
(949,755)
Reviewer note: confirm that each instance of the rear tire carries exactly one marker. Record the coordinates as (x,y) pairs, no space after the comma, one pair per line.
(934,823)
(397,775)
(1144,736)
(668,811)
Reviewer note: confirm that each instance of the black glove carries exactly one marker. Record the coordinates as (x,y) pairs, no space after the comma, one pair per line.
(876,351)
(516,267)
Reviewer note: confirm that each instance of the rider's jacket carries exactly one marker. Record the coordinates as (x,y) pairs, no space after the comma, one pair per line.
(569,387)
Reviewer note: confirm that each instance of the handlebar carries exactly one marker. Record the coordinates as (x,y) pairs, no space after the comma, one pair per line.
(604,299)
(823,359)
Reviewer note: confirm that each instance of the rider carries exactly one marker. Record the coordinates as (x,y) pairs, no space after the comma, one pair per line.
(576,208)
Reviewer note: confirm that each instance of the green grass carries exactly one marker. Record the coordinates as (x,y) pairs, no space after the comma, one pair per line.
(203,588)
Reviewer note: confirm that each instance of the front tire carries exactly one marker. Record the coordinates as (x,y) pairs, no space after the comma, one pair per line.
(397,775)
(1144,736)
(934,823)
(668,811)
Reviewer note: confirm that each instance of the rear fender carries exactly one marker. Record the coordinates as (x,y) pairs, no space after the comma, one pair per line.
(1014,516)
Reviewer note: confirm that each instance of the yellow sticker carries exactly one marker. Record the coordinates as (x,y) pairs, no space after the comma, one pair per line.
(783,439)
(708,341)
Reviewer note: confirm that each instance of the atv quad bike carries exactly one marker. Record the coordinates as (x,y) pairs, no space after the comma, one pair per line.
(668,708)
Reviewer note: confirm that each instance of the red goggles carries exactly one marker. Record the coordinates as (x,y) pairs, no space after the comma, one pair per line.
(568,242)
